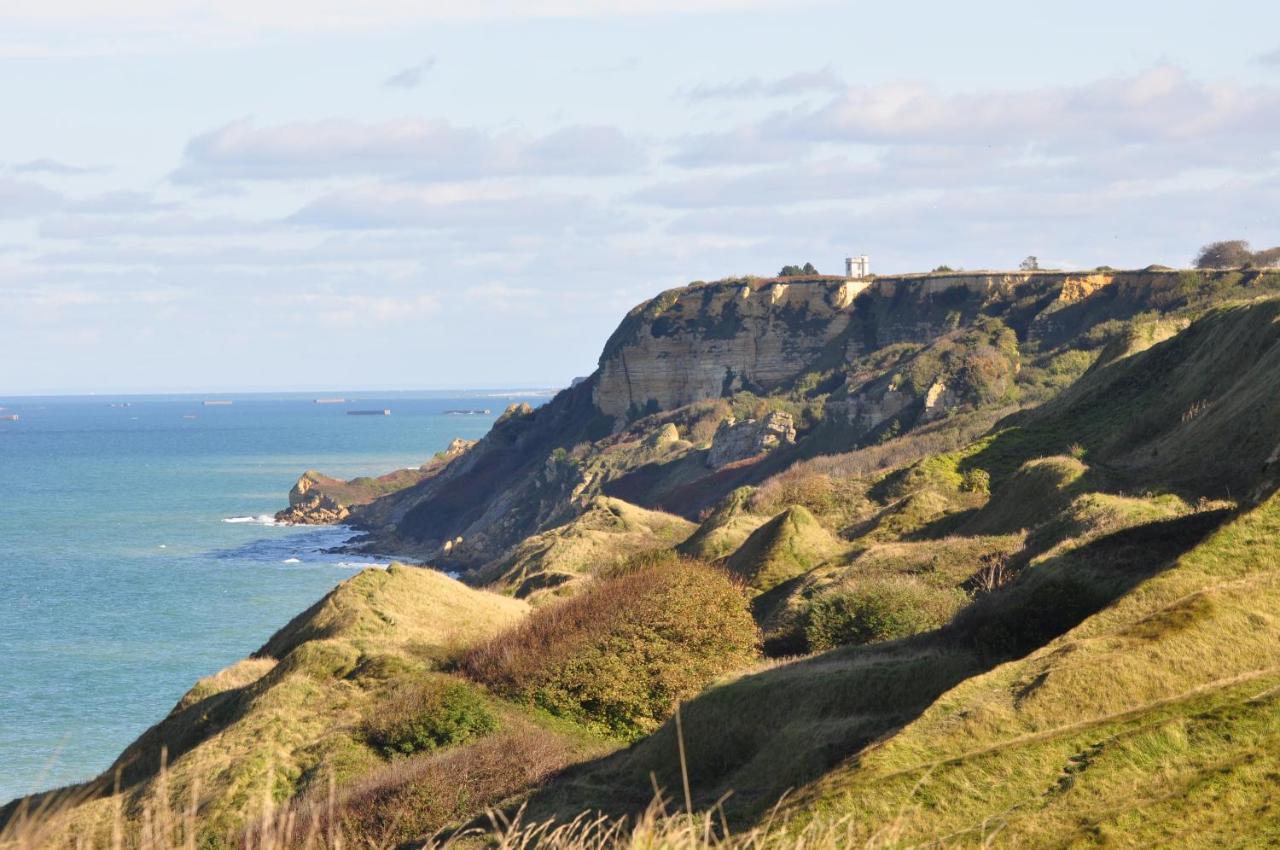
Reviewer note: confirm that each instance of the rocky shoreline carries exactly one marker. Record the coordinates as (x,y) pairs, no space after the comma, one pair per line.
(319,499)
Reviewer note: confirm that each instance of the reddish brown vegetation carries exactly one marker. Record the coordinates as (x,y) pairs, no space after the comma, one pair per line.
(413,798)
(620,653)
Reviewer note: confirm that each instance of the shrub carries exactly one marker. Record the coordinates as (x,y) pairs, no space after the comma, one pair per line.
(976,480)
(1230,254)
(877,611)
(619,654)
(411,798)
(428,714)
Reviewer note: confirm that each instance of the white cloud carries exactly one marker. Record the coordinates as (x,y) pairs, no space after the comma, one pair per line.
(1160,115)
(53,166)
(411,77)
(750,144)
(1160,128)
(119,202)
(425,149)
(22,198)
(108,27)
(153,227)
(802,82)
(1271,58)
(343,310)
(1160,104)
(484,215)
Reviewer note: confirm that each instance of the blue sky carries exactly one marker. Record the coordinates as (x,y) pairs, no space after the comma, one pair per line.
(392,194)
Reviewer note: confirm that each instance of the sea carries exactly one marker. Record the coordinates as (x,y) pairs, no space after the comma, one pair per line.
(138,552)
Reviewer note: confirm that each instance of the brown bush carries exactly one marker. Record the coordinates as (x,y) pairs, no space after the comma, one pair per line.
(413,798)
(619,654)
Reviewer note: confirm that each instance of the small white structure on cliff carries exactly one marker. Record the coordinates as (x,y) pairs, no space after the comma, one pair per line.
(857,266)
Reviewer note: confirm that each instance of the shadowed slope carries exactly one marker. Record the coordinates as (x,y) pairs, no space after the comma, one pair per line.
(1126,727)
(773,730)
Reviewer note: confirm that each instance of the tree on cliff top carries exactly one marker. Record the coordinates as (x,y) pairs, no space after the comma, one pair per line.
(1234,253)
(1224,255)
(798,271)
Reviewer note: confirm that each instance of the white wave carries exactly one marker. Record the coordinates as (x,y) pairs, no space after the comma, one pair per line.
(260,519)
(292,561)
(363,565)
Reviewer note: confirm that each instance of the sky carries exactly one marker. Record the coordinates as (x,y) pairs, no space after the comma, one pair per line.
(397,194)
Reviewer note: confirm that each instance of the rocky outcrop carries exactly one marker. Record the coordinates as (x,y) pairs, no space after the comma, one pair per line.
(705,341)
(708,340)
(309,504)
(318,499)
(518,480)
(735,441)
(457,446)
(861,360)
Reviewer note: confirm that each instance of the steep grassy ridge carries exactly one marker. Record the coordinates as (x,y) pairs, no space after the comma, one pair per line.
(607,533)
(1154,416)
(853,365)
(1152,722)
(292,715)
(1047,626)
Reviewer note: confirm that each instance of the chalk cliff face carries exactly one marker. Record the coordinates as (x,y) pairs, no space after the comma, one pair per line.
(853,361)
(708,340)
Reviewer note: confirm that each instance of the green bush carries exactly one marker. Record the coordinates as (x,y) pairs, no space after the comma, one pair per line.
(429,714)
(875,611)
(976,480)
(619,654)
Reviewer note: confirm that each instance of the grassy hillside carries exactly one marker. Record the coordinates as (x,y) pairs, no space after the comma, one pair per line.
(605,535)
(1151,722)
(295,713)
(1036,611)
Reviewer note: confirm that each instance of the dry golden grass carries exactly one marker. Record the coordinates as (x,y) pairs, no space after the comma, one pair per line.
(556,562)
(658,828)
(277,723)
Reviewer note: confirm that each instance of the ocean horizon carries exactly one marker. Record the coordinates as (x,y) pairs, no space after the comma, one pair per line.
(140,553)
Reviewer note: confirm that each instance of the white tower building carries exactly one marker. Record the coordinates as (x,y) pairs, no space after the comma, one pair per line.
(857,266)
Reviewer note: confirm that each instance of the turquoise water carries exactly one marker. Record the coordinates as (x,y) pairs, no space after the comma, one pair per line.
(121,583)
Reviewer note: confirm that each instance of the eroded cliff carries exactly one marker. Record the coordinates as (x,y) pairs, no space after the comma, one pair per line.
(708,340)
(849,363)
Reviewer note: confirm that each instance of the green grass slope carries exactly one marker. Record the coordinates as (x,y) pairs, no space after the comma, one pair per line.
(1193,413)
(790,544)
(777,729)
(1152,722)
(557,561)
(278,723)
(725,529)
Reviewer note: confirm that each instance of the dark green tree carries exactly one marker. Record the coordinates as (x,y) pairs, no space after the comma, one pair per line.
(798,271)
